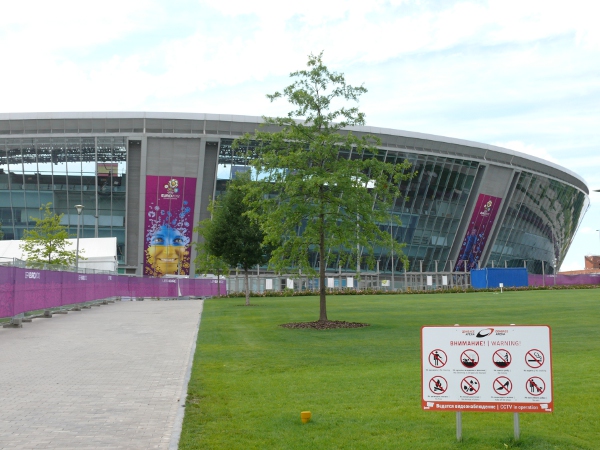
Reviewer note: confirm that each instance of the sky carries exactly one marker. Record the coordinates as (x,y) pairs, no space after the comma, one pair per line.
(524,74)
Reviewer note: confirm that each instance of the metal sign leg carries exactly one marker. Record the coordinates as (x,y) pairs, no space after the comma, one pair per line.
(516,424)
(459,425)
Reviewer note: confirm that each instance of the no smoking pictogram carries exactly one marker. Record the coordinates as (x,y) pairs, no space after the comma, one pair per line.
(438,358)
(469,385)
(502,358)
(502,386)
(469,358)
(438,385)
(534,358)
(535,386)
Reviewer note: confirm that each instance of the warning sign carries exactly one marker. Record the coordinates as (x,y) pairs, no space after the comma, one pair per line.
(469,358)
(535,386)
(534,358)
(438,385)
(470,385)
(502,358)
(505,368)
(502,386)
(438,358)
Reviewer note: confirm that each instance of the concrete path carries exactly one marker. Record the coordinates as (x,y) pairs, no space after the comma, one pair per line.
(110,377)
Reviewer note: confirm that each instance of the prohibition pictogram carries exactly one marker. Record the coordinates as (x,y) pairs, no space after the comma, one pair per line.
(534,358)
(469,358)
(535,386)
(469,385)
(502,358)
(438,358)
(502,386)
(438,385)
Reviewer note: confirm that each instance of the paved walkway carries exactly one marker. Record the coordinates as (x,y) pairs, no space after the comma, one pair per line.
(110,377)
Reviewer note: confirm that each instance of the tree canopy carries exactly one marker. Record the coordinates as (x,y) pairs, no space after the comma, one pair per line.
(47,242)
(320,190)
(231,236)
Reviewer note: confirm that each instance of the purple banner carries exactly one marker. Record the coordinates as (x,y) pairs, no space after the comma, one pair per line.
(23,290)
(168,229)
(563,280)
(478,232)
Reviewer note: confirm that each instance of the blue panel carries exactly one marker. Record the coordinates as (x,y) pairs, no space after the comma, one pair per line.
(491,278)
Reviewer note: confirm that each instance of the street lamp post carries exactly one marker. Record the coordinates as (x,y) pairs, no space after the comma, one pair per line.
(79,209)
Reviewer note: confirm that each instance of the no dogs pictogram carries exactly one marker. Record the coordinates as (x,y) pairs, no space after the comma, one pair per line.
(502,386)
(502,358)
(534,358)
(438,385)
(438,358)
(535,386)
(469,385)
(469,358)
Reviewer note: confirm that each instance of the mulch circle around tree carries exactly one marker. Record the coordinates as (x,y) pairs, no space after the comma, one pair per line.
(325,325)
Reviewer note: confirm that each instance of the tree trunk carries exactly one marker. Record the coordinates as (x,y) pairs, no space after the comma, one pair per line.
(218,283)
(322,297)
(247,286)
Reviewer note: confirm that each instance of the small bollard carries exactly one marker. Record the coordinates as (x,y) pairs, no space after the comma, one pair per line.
(15,322)
(305,416)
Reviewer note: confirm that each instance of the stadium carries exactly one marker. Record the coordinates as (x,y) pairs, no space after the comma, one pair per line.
(147,179)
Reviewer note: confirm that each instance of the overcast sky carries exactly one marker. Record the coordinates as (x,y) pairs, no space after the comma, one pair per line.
(520,74)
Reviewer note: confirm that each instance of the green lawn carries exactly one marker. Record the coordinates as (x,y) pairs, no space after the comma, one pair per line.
(251,378)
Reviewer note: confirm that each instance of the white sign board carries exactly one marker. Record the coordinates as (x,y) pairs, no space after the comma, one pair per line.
(330,282)
(349,282)
(385,283)
(269,284)
(290,283)
(429,280)
(487,368)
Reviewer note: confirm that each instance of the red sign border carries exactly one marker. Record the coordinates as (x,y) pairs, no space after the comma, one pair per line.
(509,407)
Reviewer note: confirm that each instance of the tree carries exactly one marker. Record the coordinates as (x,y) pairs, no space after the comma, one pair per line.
(207,263)
(46,243)
(231,235)
(319,187)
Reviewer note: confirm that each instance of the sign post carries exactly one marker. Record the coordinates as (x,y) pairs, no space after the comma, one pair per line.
(505,368)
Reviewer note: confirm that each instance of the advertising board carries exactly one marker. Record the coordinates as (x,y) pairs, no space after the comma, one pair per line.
(486,368)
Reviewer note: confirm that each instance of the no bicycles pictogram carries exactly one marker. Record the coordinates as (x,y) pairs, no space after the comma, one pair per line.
(502,386)
(438,385)
(502,358)
(534,358)
(438,358)
(469,358)
(535,386)
(469,385)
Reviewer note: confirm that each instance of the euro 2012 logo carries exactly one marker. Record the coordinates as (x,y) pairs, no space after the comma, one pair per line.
(487,209)
(172,186)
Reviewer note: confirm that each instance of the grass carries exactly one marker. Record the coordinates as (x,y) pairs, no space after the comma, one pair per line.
(251,378)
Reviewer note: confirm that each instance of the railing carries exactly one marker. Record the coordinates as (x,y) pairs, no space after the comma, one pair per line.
(409,281)
(23,290)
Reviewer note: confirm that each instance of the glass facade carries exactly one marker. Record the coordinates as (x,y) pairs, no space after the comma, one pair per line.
(91,171)
(541,220)
(429,211)
(82,158)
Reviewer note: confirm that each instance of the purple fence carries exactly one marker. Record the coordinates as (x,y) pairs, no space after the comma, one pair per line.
(24,290)
(549,280)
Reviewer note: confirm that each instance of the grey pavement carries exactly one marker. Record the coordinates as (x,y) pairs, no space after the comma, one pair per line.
(110,377)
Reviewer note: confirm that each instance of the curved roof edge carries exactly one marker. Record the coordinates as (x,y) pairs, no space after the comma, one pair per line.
(577,180)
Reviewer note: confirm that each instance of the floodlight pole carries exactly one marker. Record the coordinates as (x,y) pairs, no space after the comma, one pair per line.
(79,209)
